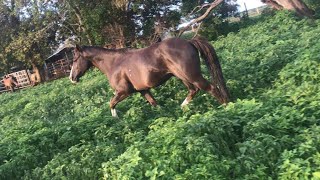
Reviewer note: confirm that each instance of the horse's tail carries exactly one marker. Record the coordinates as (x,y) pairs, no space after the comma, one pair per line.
(212,62)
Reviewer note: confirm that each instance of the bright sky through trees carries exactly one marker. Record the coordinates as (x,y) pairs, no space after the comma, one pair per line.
(249,3)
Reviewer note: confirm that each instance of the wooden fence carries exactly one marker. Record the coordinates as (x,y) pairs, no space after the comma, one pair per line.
(23,78)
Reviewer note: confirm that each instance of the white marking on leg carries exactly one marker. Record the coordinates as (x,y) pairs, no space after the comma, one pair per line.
(185,102)
(114,112)
(70,76)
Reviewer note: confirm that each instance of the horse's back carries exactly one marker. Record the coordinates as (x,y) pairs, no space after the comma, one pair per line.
(174,50)
(178,49)
(164,45)
(180,53)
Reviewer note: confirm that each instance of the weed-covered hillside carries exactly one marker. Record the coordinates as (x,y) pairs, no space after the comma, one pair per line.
(271,130)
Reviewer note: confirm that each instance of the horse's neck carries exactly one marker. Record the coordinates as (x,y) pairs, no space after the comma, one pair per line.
(103,60)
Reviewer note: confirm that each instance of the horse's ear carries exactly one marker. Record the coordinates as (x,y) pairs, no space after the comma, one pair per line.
(78,48)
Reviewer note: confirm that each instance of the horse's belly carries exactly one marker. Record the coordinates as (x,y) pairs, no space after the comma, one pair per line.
(150,79)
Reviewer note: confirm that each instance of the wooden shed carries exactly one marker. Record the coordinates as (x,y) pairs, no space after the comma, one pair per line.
(59,64)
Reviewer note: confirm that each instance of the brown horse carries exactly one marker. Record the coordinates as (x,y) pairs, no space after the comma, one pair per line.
(138,70)
(10,82)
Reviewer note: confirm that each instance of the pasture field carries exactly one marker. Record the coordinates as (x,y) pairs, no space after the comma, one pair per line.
(271,130)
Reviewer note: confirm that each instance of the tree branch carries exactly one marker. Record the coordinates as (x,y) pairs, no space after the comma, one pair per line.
(201,18)
(200,8)
(197,30)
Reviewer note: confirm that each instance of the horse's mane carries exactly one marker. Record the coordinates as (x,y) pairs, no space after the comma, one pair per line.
(120,50)
(102,49)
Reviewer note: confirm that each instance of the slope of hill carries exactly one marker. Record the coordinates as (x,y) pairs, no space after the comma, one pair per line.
(271,130)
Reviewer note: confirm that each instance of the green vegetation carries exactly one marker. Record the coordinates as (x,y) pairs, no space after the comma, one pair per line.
(271,130)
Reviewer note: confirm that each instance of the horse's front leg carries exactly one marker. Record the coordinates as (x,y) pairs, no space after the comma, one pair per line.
(119,96)
(147,94)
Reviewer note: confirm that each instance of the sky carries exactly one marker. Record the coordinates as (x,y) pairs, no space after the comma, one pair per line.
(249,3)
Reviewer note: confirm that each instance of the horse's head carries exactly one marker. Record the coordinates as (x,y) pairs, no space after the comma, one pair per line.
(80,64)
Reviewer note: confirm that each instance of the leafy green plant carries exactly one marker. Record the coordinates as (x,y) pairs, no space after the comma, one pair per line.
(58,130)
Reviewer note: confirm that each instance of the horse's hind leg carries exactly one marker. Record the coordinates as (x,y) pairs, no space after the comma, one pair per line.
(203,84)
(192,92)
(147,94)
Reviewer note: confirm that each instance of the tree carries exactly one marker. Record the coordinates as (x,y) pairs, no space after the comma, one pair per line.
(97,22)
(219,24)
(30,48)
(9,27)
(32,29)
(33,34)
(199,19)
(153,18)
(211,16)
(295,5)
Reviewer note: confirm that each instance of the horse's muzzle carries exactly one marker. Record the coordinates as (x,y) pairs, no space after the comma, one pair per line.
(74,80)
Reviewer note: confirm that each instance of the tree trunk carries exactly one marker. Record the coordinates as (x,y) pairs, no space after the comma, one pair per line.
(273,4)
(295,5)
(303,9)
